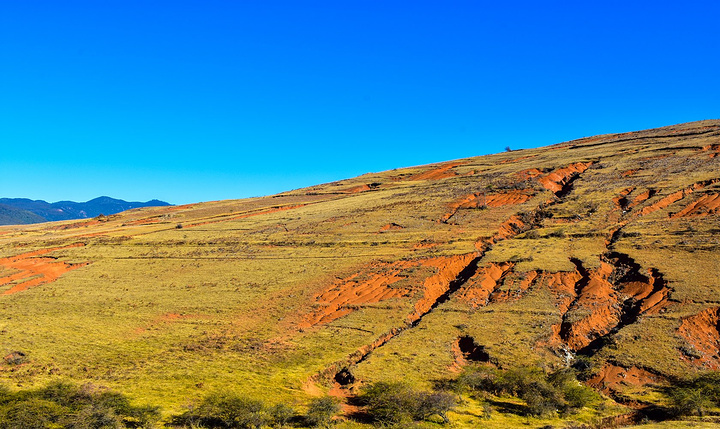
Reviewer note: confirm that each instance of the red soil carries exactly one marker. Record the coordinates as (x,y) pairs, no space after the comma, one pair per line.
(32,271)
(441,172)
(702,330)
(611,378)
(481,199)
(641,197)
(480,287)
(374,284)
(555,180)
(510,228)
(629,172)
(714,150)
(597,308)
(621,200)
(449,267)
(675,196)
(371,285)
(708,204)
(392,226)
(356,189)
(243,216)
(529,173)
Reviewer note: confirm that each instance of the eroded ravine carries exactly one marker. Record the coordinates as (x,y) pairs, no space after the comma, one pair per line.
(442,286)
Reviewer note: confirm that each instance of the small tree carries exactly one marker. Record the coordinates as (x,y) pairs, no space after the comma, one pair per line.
(434,403)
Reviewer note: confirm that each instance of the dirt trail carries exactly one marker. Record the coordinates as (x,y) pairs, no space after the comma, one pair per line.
(29,270)
(702,331)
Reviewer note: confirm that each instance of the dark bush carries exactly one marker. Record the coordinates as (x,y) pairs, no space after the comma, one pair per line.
(695,396)
(281,414)
(558,391)
(227,410)
(398,403)
(66,405)
(435,403)
(31,413)
(321,411)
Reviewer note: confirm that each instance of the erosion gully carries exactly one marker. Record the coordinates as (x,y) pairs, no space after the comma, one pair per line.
(340,371)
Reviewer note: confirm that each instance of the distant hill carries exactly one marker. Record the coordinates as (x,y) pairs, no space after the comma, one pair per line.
(15,211)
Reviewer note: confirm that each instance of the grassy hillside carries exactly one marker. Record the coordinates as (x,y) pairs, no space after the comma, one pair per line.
(602,251)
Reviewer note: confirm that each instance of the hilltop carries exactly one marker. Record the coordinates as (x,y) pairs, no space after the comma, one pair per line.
(600,254)
(19,211)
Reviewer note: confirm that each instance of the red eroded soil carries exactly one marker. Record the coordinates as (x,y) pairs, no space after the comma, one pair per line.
(629,172)
(481,200)
(392,226)
(449,267)
(487,279)
(530,173)
(640,198)
(713,149)
(612,378)
(510,228)
(371,285)
(675,196)
(708,204)
(441,172)
(375,283)
(555,180)
(702,330)
(595,309)
(243,216)
(29,270)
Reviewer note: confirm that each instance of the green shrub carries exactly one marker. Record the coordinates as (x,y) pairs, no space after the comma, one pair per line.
(63,404)
(695,396)
(281,414)
(398,403)
(321,411)
(31,413)
(228,410)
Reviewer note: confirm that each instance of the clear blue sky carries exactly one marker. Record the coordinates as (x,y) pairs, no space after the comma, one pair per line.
(191,101)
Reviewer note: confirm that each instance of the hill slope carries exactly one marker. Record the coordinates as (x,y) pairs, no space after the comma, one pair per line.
(65,210)
(604,250)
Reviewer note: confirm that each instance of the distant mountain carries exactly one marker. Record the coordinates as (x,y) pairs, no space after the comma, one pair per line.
(14,216)
(24,211)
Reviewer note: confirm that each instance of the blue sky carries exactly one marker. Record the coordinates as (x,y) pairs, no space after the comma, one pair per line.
(191,101)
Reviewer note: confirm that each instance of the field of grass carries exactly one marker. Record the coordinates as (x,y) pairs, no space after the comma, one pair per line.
(575,250)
